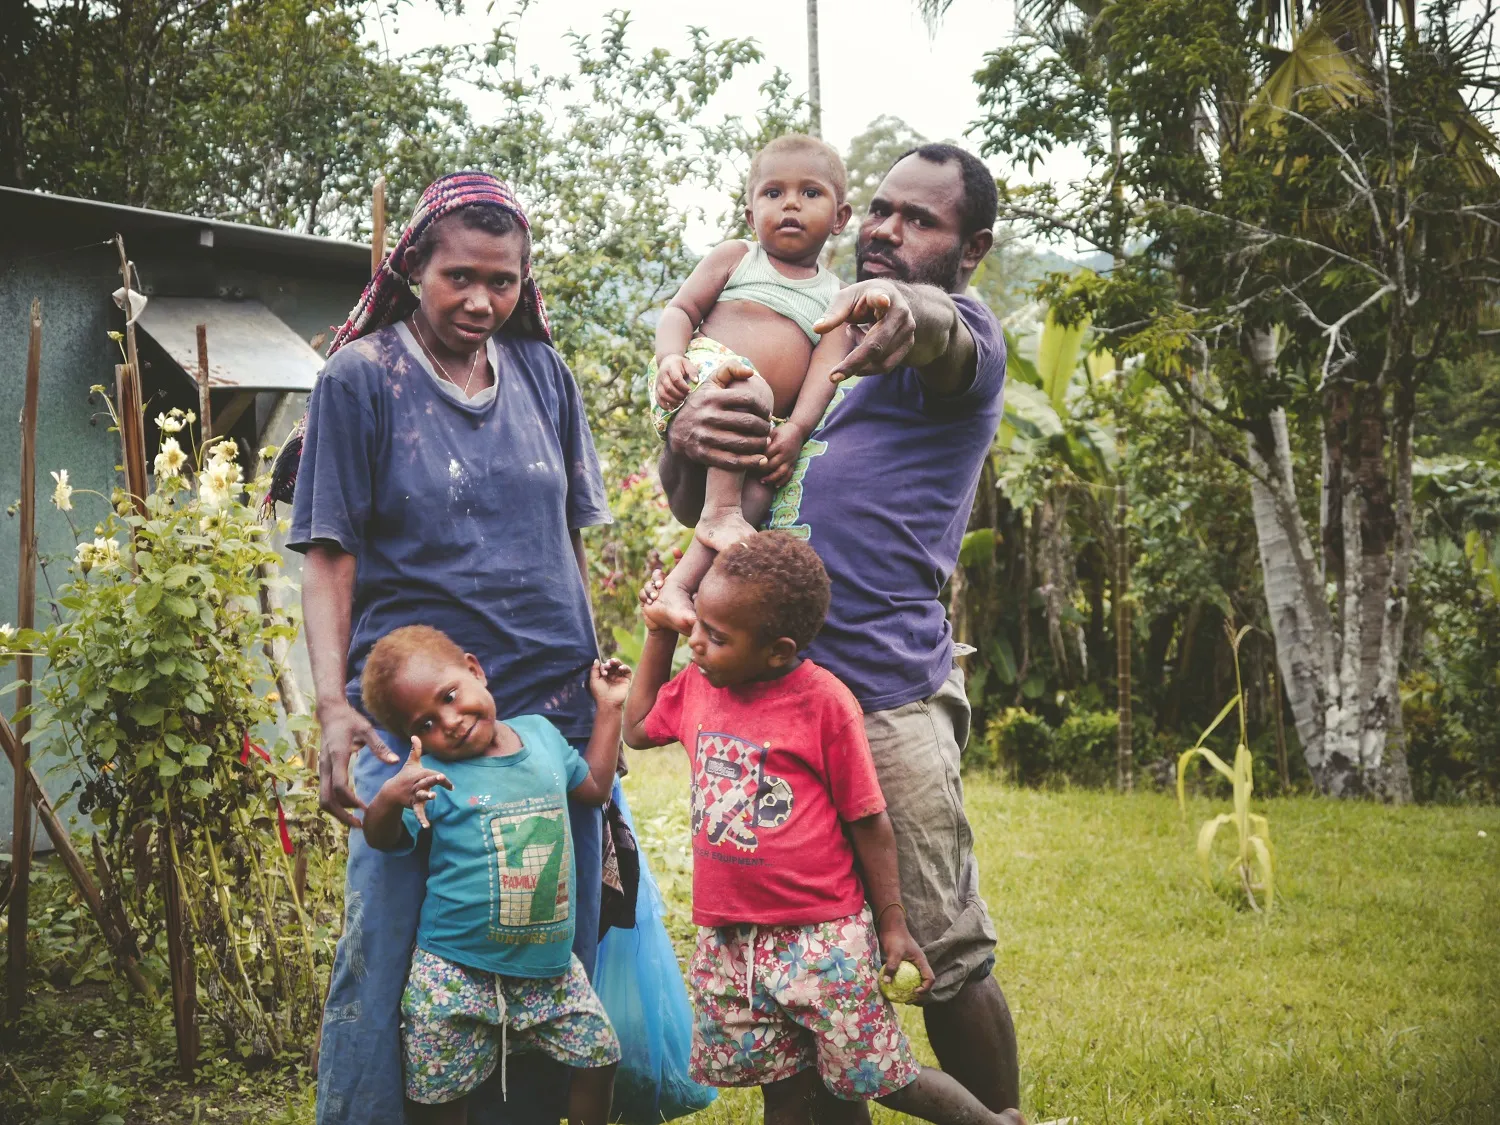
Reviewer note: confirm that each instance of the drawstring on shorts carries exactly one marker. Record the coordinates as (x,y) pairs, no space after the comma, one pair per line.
(750,970)
(504,1049)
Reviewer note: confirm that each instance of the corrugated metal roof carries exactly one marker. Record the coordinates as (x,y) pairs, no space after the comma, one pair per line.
(87,218)
(250,348)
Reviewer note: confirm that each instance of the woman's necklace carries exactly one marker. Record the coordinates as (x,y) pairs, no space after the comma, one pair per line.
(473,363)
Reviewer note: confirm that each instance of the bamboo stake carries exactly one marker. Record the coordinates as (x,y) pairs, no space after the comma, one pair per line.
(179,954)
(377,233)
(293,701)
(128,398)
(20,840)
(121,942)
(205,406)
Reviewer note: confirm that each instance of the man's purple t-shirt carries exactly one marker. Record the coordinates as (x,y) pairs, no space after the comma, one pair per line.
(883,492)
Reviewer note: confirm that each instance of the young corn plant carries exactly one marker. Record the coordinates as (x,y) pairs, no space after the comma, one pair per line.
(1253,863)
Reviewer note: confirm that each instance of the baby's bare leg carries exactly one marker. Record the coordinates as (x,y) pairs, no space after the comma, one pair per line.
(672,607)
(723,523)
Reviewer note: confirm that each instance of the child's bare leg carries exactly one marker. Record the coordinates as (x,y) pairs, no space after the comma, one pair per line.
(829,1109)
(722,523)
(671,607)
(589,1095)
(790,1100)
(455,1112)
(938,1097)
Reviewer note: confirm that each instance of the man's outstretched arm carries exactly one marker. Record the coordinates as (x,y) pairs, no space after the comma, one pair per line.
(913,325)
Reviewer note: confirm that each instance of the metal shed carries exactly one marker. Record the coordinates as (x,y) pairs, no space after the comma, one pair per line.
(267,297)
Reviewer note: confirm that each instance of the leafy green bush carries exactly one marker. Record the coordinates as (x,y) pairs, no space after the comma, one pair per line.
(156,692)
(1085,748)
(1016,742)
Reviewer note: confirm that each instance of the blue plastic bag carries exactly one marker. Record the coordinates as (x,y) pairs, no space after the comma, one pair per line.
(638,979)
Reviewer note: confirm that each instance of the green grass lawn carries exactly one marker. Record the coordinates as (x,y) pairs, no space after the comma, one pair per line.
(1372,994)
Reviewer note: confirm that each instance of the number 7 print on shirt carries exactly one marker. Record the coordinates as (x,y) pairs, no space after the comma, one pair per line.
(531,866)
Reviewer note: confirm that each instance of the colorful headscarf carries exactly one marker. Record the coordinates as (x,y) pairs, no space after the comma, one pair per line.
(388,297)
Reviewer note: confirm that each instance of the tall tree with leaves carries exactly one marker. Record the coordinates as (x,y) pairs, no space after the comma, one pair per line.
(1299,212)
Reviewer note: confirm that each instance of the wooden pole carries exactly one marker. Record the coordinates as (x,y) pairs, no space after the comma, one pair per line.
(814,78)
(377,233)
(121,942)
(205,406)
(179,942)
(179,957)
(20,839)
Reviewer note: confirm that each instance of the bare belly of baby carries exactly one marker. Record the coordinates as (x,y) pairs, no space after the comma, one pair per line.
(778,348)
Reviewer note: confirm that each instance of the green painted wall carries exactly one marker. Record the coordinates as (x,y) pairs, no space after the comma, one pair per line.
(74,285)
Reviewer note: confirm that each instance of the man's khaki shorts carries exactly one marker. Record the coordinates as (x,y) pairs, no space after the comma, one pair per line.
(916,749)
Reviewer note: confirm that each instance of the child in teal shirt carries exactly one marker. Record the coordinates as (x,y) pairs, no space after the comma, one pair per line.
(493,970)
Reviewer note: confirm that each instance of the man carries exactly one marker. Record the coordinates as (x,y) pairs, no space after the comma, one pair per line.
(883,492)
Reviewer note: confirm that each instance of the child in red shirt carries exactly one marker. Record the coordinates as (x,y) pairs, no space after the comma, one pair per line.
(786,976)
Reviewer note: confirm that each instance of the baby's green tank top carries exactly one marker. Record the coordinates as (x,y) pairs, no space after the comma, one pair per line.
(801,301)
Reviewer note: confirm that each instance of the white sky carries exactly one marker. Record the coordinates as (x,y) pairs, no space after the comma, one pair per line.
(876,55)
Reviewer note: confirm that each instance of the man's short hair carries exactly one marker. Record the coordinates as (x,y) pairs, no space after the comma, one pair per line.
(390,654)
(981,200)
(793,143)
(789,583)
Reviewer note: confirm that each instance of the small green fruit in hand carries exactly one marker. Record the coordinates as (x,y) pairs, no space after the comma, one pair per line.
(902,988)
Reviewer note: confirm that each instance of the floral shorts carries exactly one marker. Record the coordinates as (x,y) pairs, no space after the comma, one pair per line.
(457,1023)
(775,1000)
(707,355)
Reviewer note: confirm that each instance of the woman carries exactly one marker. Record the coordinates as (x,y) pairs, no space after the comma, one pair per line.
(446,471)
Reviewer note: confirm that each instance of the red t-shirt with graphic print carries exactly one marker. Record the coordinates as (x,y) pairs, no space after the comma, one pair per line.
(777,766)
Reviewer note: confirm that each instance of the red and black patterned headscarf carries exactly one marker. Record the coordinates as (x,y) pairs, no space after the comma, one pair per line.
(389,298)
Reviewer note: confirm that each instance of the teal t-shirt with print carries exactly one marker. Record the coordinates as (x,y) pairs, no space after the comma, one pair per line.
(500,872)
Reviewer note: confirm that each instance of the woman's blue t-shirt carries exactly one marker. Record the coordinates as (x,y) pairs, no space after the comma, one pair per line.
(460,514)
(500,873)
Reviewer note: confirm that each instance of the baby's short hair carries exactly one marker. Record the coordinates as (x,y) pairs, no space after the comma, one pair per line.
(390,654)
(801,143)
(789,583)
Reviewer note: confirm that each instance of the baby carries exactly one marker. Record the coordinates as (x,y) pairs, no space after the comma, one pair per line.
(493,971)
(755,303)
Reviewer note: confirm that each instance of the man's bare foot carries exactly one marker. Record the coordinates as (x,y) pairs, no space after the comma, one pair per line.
(669,605)
(719,531)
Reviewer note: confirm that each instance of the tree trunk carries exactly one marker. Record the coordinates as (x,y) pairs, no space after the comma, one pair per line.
(1293,580)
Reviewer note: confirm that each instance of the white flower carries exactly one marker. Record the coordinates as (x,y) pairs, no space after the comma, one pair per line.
(190,417)
(223,452)
(8,634)
(106,554)
(84,556)
(168,423)
(170,460)
(62,495)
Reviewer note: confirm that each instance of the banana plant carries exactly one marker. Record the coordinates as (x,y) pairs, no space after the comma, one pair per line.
(1253,863)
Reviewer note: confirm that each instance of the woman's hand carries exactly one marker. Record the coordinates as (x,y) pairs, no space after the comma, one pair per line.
(675,375)
(609,682)
(897,945)
(344,733)
(787,440)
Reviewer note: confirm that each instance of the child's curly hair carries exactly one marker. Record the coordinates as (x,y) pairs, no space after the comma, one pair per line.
(789,584)
(386,660)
